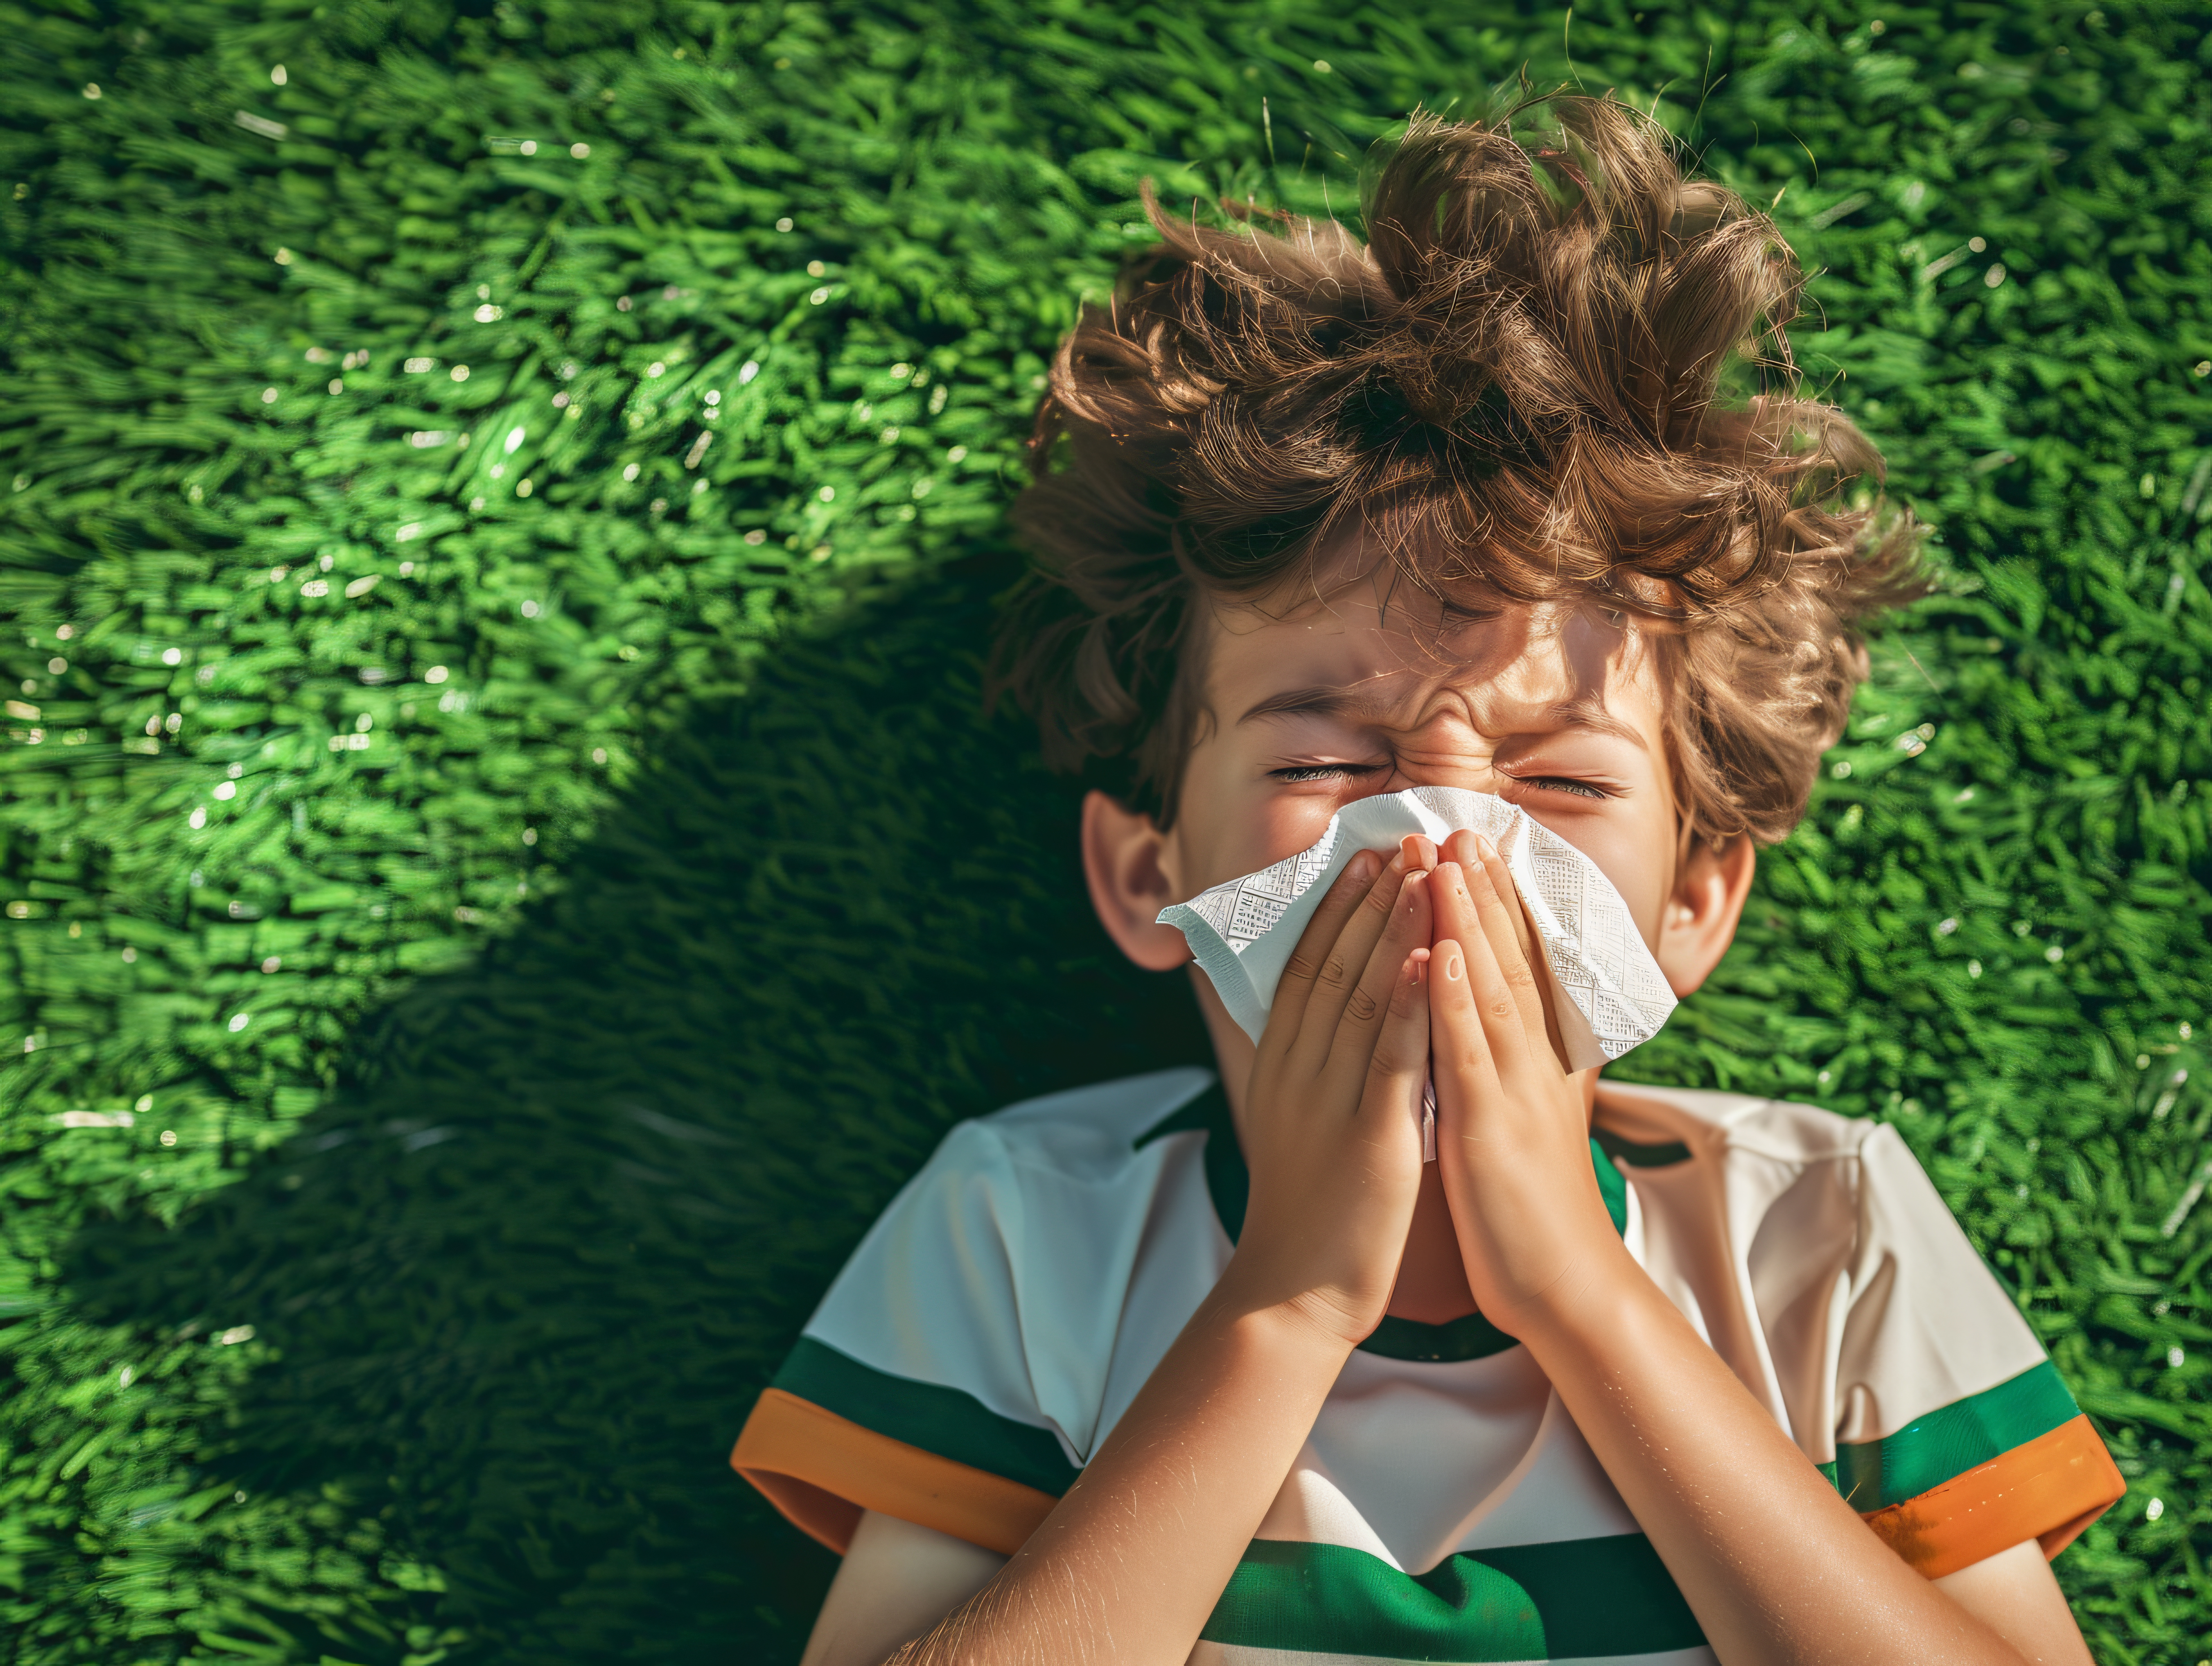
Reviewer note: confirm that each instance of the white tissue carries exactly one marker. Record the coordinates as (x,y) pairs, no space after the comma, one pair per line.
(1611,994)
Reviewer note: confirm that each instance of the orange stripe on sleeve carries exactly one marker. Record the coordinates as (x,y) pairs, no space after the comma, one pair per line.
(2048,1489)
(821,1471)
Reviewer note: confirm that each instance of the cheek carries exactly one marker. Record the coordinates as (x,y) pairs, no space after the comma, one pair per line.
(1231,842)
(1224,831)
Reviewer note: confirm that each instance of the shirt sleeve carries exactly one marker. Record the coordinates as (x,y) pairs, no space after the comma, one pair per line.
(1955,1439)
(910,1393)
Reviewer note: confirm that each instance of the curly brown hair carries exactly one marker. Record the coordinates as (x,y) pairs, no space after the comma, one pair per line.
(1556,371)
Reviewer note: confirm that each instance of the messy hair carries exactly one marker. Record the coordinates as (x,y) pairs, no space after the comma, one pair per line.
(1556,371)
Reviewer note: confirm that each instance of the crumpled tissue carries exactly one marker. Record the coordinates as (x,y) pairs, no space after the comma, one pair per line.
(1610,994)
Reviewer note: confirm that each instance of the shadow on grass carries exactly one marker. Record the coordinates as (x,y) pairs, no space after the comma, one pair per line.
(527,1274)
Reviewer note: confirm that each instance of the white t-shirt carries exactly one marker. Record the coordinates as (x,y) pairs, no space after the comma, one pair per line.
(1011,1301)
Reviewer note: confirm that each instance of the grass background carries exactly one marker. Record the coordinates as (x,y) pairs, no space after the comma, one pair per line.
(504,874)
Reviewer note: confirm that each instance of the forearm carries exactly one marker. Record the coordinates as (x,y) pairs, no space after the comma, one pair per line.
(1129,1564)
(1777,1566)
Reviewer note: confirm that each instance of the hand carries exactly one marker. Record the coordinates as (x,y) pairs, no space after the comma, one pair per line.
(1513,1127)
(1333,1116)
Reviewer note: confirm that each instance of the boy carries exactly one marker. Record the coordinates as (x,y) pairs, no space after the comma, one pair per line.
(1217,1369)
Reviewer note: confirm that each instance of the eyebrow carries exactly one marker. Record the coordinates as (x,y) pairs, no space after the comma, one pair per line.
(1588,712)
(1319,700)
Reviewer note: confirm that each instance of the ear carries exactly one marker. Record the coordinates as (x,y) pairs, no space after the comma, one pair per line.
(1699,923)
(1121,853)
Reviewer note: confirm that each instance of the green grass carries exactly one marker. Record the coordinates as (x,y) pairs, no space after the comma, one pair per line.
(643,901)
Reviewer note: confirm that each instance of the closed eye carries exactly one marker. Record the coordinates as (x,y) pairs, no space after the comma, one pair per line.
(1298,773)
(1567,784)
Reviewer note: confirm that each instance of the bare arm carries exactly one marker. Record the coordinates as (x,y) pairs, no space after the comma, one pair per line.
(2016,1595)
(1776,1565)
(896,1581)
(1129,1564)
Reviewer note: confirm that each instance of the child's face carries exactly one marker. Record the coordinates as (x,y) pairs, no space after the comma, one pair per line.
(1367,689)
(1362,689)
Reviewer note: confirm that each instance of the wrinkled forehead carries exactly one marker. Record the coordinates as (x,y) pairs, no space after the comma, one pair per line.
(1360,626)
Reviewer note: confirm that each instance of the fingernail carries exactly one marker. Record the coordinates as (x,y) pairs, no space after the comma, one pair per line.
(1483,847)
(1362,867)
(1454,968)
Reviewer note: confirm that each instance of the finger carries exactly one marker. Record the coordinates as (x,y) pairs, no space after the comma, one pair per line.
(1469,910)
(1452,901)
(1499,998)
(1505,925)
(1398,1065)
(1344,967)
(1524,937)
(1366,1012)
(1286,1016)
(1420,853)
(1466,848)
(1472,850)
(1459,1049)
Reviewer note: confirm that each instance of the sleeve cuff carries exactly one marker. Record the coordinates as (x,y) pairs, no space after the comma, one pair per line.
(821,1471)
(2047,1489)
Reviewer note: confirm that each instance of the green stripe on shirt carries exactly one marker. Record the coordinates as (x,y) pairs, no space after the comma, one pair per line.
(941,1421)
(1575,1599)
(1228,1181)
(1944,1444)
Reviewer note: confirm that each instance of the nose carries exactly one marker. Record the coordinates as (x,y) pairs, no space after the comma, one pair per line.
(1466,767)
